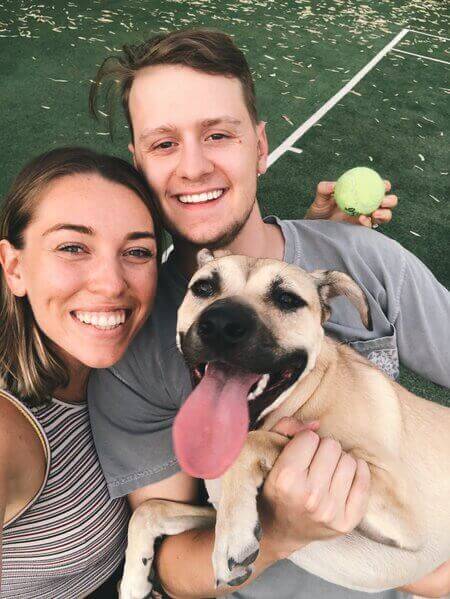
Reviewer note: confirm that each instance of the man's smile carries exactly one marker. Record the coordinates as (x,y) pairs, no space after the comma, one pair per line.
(201,197)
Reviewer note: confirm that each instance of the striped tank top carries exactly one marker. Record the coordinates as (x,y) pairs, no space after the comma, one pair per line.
(71,537)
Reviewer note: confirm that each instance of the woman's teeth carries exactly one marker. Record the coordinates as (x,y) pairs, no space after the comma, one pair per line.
(102,320)
(201,197)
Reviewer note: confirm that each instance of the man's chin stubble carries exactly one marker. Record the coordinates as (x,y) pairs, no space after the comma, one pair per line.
(224,239)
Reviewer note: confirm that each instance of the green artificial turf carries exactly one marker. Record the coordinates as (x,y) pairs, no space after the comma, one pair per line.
(301,53)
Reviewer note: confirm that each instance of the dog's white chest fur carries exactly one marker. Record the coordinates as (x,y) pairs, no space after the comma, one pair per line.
(214,489)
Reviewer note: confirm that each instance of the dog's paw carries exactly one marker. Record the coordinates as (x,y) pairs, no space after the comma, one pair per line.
(138,585)
(235,550)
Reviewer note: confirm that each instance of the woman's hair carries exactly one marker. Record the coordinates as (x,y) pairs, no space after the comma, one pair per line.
(205,50)
(29,365)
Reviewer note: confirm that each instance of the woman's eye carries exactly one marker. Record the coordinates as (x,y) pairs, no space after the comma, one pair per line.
(139,253)
(71,248)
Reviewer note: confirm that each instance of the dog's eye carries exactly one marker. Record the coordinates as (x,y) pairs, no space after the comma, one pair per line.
(204,288)
(288,301)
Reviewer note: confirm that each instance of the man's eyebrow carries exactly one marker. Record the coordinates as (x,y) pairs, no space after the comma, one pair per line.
(70,227)
(162,129)
(204,124)
(229,120)
(219,120)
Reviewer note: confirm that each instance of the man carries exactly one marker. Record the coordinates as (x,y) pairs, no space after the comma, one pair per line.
(190,104)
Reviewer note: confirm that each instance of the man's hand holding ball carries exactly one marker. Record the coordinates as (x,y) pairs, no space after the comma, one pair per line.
(357,197)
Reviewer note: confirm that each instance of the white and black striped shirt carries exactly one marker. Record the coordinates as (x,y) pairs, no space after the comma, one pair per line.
(71,536)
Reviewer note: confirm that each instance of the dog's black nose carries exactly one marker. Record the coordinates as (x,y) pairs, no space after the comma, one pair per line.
(226,323)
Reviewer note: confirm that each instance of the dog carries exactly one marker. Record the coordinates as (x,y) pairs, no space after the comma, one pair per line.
(251,331)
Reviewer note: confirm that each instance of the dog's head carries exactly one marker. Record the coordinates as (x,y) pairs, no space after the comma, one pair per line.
(248,329)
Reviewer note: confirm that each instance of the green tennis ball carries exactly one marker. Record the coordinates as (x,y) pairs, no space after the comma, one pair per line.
(359,191)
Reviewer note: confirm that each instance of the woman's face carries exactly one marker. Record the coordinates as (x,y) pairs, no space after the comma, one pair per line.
(88,267)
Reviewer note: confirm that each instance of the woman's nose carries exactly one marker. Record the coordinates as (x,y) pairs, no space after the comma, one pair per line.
(108,278)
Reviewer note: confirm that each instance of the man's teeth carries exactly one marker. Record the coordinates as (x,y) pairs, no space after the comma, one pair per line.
(102,320)
(201,197)
(262,384)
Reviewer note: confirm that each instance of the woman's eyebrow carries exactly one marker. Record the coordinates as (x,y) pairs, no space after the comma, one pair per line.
(140,235)
(90,231)
(70,227)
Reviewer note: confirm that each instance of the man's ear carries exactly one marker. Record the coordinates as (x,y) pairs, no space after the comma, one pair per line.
(12,268)
(331,283)
(131,150)
(263,147)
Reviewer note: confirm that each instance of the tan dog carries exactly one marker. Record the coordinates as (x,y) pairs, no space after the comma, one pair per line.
(257,327)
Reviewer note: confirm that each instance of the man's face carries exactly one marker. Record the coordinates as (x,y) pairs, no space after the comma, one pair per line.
(199,150)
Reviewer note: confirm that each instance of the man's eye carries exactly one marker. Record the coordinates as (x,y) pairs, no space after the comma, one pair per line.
(71,248)
(203,288)
(218,136)
(288,301)
(165,145)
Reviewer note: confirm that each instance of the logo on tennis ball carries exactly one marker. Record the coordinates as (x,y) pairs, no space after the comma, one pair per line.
(359,191)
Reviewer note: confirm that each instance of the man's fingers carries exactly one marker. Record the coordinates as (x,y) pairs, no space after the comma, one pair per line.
(291,426)
(325,189)
(366,221)
(298,453)
(321,471)
(359,494)
(389,201)
(387,185)
(382,216)
(343,478)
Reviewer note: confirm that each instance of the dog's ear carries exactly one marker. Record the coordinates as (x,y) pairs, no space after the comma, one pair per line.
(331,283)
(203,257)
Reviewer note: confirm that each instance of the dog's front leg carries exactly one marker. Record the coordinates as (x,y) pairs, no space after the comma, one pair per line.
(238,530)
(151,520)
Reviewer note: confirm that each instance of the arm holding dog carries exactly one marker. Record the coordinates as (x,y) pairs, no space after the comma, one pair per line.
(191,551)
(436,584)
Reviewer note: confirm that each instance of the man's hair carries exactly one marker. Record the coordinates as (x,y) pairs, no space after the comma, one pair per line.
(29,365)
(205,50)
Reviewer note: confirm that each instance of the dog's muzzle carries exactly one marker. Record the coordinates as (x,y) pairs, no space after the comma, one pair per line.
(226,324)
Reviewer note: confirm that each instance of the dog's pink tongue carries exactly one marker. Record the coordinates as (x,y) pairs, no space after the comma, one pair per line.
(212,425)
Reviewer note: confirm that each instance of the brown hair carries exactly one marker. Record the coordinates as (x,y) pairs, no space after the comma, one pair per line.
(29,365)
(205,50)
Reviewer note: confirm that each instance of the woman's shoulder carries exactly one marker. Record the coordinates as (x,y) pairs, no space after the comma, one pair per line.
(22,456)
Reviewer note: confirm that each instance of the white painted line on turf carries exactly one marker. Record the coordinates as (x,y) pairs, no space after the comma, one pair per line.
(439,37)
(290,141)
(295,150)
(421,56)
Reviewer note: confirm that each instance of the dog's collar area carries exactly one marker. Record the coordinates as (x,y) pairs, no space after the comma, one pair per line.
(277,384)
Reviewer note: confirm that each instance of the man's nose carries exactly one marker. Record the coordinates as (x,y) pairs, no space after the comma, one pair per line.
(194,163)
(107,278)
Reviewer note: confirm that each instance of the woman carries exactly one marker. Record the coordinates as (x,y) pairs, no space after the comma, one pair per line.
(79,241)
